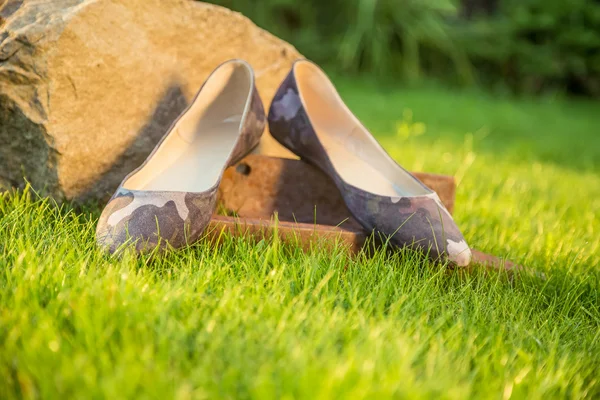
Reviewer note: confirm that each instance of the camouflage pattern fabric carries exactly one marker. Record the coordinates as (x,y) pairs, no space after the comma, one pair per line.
(148,219)
(421,222)
(163,219)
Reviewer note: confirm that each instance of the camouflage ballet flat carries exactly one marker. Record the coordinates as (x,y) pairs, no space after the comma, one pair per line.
(308,117)
(168,201)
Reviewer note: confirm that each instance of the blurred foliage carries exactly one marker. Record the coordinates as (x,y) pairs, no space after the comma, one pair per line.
(407,128)
(529,46)
(537,45)
(385,37)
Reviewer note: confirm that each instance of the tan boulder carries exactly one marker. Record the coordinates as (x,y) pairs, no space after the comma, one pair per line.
(88,87)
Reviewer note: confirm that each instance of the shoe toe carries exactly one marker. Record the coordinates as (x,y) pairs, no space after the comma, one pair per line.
(432,225)
(144,219)
(422,223)
(459,253)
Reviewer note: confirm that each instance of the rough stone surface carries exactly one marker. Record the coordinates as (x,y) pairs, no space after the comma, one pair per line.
(88,87)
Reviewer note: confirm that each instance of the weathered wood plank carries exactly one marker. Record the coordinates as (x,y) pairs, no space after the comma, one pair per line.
(260,186)
(324,236)
(309,207)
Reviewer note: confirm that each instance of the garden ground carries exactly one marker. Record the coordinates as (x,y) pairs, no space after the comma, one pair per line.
(267,321)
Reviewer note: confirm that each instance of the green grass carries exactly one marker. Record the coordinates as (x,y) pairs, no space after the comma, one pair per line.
(267,321)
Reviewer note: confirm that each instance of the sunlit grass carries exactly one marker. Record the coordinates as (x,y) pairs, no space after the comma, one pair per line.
(268,321)
(528,172)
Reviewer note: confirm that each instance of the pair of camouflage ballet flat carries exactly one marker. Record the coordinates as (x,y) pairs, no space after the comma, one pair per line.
(169,200)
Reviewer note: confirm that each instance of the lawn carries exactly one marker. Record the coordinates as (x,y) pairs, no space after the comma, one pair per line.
(267,321)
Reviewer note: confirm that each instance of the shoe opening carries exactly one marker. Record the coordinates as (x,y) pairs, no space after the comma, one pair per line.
(355,154)
(194,152)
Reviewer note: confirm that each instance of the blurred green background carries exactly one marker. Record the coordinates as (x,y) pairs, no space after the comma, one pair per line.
(515,46)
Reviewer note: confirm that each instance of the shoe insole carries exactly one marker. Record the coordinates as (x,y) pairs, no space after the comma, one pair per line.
(361,163)
(196,166)
(196,150)
(353,151)
(356,171)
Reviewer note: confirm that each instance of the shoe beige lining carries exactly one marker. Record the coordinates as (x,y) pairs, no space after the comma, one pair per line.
(192,156)
(354,153)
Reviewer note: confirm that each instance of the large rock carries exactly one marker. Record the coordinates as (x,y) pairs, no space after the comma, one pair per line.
(88,87)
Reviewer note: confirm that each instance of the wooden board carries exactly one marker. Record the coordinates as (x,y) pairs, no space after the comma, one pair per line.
(309,235)
(308,206)
(259,186)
